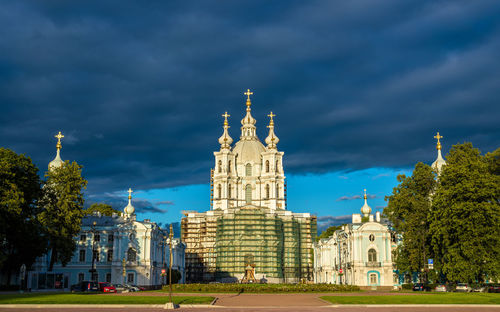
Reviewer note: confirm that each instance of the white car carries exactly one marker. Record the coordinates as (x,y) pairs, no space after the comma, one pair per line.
(463,287)
(132,288)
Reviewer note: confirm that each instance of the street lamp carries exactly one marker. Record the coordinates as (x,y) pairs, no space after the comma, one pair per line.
(124,270)
(93,268)
(171,236)
(163,245)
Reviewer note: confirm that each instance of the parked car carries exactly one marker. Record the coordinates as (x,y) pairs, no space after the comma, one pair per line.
(421,287)
(463,287)
(85,286)
(493,288)
(140,287)
(120,287)
(441,288)
(132,288)
(106,287)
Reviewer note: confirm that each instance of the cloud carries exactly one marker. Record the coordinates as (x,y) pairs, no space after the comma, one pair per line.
(325,222)
(138,90)
(165,202)
(118,201)
(369,196)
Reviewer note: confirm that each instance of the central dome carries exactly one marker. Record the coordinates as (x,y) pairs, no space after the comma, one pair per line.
(248,151)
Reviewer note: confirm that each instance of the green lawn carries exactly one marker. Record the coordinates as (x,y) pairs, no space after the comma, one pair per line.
(259,288)
(48,298)
(438,298)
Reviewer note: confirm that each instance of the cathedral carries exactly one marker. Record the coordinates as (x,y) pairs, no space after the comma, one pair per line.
(248,234)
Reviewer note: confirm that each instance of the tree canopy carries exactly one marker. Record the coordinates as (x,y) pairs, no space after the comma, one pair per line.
(465,217)
(22,237)
(104,209)
(62,210)
(408,210)
(328,232)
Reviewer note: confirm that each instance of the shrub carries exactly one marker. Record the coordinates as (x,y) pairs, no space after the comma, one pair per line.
(261,288)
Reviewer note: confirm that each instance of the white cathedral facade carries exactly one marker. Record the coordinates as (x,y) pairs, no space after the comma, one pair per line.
(249,173)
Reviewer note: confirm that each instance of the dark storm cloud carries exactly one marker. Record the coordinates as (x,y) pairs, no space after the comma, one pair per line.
(325,222)
(138,87)
(118,202)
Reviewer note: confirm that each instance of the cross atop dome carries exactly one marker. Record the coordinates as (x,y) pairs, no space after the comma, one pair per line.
(130,193)
(225,115)
(438,137)
(248,93)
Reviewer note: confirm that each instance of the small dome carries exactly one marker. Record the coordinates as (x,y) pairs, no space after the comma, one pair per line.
(248,151)
(129,209)
(57,162)
(366,210)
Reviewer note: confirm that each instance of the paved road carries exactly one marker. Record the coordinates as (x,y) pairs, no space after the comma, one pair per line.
(270,309)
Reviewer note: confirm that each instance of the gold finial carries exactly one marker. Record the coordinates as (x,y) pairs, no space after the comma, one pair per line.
(129,193)
(225,119)
(248,93)
(271,122)
(438,137)
(171,234)
(365,194)
(59,136)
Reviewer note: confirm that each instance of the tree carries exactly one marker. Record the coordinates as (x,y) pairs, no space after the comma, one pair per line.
(104,209)
(62,210)
(22,238)
(328,232)
(465,219)
(408,209)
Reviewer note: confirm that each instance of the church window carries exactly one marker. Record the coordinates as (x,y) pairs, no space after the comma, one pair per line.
(83,238)
(110,238)
(372,237)
(373,278)
(229,191)
(267,165)
(248,170)
(131,254)
(97,237)
(229,166)
(130,278)
(81,277)
(108,277)
(248,194)
(277,163)
(131,237)
(220,166)
(372,255)
(82,255)
(219,191)
(267,191)
(110,255)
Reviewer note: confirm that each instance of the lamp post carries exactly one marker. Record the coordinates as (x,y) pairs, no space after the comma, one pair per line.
(164,244)
(124,270)
(171,236)
(93,268)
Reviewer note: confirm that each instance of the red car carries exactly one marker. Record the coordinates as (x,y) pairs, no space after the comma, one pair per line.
(106,287)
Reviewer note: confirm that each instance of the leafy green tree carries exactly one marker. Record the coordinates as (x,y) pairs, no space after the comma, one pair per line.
(465,219)
(62,210)
(104,209)
(328,232)
(22,238)
(408,209)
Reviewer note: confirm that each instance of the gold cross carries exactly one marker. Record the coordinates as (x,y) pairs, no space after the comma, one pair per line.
(248,93)
(226,115)
(437,136)
(129,193)
(271,115)
(59,136)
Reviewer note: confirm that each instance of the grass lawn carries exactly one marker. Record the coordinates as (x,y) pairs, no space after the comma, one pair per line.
(260,288)
(46,298)
(438,298)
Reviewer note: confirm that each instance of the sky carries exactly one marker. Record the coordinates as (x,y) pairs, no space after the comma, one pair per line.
(359,89)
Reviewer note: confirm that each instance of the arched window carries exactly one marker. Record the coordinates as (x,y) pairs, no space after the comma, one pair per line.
(131,254)
(267,191)
(229,192)
(220,166)
(372,255)
(267,165)
(219,191)
(248,194)
(373,278)
(248,170)
(229,166)
(277,162)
